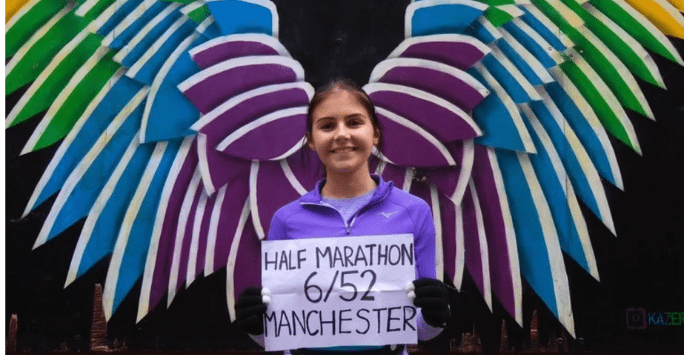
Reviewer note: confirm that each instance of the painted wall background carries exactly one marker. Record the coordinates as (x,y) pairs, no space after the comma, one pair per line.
(640,269)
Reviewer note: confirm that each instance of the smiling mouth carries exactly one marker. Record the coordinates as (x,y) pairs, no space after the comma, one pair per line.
(344,150)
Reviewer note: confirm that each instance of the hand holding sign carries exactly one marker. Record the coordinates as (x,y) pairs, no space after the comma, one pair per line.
(339,291)
(249,311)
(433,299)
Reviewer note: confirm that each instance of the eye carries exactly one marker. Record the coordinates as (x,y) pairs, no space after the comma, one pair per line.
(327,126)
(354,123)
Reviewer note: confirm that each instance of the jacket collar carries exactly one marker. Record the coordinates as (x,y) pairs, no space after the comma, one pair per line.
(383,189)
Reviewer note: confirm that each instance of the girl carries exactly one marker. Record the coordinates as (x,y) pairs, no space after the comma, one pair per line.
(343,129)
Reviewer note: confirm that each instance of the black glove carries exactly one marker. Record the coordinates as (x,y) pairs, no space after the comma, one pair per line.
(249,311)
(432,297)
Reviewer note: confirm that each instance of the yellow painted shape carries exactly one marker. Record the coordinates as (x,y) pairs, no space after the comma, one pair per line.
(12,6)
(679,4)
(662,14)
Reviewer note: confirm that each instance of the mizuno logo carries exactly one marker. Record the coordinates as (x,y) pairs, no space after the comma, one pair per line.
(388,214)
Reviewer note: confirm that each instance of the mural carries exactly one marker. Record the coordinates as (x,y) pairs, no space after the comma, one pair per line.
(150,142)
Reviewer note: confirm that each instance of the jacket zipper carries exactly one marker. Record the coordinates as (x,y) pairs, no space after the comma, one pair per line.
(348,227)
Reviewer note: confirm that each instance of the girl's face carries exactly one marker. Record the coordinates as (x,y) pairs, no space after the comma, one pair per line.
(342,133)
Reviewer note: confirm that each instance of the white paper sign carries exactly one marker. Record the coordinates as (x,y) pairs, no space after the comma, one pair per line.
(339,291)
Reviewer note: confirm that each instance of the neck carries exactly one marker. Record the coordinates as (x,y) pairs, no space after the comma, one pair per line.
(338,185)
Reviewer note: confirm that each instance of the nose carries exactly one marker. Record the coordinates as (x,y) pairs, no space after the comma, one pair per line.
(341,133)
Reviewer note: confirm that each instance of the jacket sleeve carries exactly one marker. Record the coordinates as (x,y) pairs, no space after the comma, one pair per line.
(424,241)
(424,245)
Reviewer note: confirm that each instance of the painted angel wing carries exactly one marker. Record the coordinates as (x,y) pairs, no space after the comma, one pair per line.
(507,106)
(159,106)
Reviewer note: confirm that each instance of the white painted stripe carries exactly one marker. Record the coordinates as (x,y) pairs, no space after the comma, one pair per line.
(624,73)
(159,80)
(151,260)
(194,243)
(510,106)
(205,171)
(566,13)
(192,7)
(537,14)
(536,66)
(96,211)
(23,10)
(632,44)
(242,37)
(103,17)
(64,96)
(209,259)
(562,176)
(484,248)
(253,203)
(202,27)
(513,11)
(380,167)
(437,220)
(591,116)
(460,248)
(238,99)
(466,170)
(559,275)
(128,21)
(150,52)
(652,29)
(417,129)
(243,62)
(489,27)
(86,7)
(183,219)
(583,233)
(425,96)
(547,144)
(587,166)
(292,178)
(672,11)
(515,72)
(37,37)
(386,65)
(511,242)
(415,6)
(541,41)
(381,156)
(238,133)
(409,174)
(123,52)
(66,142)
(444,37)
(76,175)
(232,257)
(124,233)
(43,76)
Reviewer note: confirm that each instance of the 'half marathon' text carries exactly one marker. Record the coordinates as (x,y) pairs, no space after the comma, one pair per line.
(343,256)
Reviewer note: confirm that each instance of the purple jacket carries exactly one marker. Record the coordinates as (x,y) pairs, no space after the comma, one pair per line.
(390,211)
